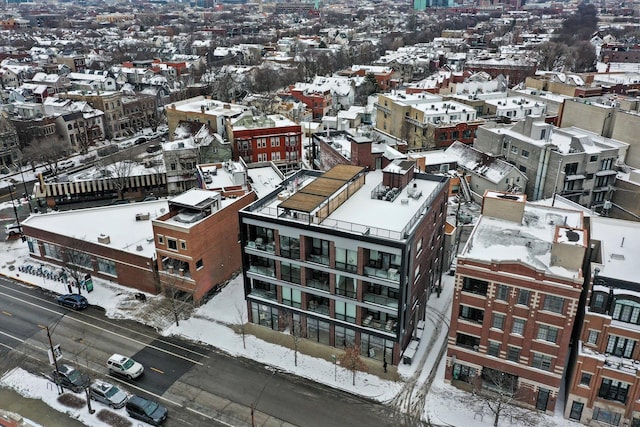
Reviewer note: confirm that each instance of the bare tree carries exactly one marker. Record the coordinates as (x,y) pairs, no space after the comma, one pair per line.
(77,261)
(118,169)
(47,152)
(242,322)
(352,361)
(291,321)
(499,393)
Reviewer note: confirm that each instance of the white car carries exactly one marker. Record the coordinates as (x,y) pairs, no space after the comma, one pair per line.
(125,366)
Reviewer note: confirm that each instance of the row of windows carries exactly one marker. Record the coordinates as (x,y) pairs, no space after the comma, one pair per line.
(552,303)
(172,243)
(80,259)
(538,360)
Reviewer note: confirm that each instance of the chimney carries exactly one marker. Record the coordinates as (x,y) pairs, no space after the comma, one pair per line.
(104,239)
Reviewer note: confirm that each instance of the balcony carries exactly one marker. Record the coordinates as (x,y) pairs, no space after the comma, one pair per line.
(388,274)
(318,259)
(322,285)
(381,300)
(263,270)
(265,293)
(321,307)
(261,245)
(390,325)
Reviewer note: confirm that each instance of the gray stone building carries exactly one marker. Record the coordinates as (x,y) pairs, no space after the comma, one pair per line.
(575,163)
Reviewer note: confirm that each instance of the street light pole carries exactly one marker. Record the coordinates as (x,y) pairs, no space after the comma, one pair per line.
(55,361)
(26,192)
(15,210)
(254,404)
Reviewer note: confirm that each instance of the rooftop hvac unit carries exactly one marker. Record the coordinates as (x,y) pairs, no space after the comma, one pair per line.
(104,239)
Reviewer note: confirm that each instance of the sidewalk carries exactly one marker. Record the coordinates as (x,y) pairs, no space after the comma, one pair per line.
(35,410)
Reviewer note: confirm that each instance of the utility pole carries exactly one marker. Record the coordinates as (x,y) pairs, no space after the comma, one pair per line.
(55,361)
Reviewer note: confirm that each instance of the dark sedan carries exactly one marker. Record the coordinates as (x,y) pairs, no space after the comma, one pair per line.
(69,378)
(74,301)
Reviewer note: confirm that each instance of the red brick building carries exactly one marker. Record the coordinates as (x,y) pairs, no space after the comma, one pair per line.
(517,292)
(197,242)
(383,75)
(318,102)
(605,381)
(273,138)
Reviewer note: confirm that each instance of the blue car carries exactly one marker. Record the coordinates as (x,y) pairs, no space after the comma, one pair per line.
(75,301)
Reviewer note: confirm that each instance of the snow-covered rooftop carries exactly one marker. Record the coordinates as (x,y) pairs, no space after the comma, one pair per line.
(126,233)
(619,247)
(528,241)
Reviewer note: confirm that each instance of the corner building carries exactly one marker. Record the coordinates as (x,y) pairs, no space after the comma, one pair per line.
(604,386)
(348,257)
(517,291)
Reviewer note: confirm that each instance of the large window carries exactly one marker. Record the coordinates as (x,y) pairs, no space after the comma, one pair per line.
(592,338)
(513,354)
(52,251)
(493,349)
(319,251)
(606,416)
(627,311)
(613,390)
(344,337)
(346,286)
(541,361)
(471,313)
(620,346)
(523,297)
(345,311)
(547,333)
(467,341)
(553,303)
(518,326)
(346,259)
(290,272)
(502,293)
(79,258)
(289,247)
(291,297)
(498,321)
(475,286)
(107,266)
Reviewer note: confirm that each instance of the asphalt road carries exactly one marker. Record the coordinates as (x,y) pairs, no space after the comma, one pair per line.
(199,385)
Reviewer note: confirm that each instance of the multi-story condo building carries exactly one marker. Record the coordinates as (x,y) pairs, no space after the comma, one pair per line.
(116,123)
(425,121)
(517,291)
(350,256)
(272,138)
(604,385)
(574,163)
(203,110)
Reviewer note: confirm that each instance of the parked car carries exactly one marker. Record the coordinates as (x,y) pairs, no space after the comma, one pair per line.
(153,148)
(74,301)
(108,394)
(146,410)
(67,164)
(141,140)
(69,378)
(125,366)
(12,229)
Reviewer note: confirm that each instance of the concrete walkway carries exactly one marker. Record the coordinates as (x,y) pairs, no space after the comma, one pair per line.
(35,410)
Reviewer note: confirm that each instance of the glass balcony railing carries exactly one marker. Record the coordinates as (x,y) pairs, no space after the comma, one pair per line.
(319,259)
(381,300)
(319,284)
(389,274)
(386,326)
(264,293)
(265,271)
(260,245)
(318,308)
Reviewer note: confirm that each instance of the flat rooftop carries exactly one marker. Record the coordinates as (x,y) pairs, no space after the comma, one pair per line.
(529,242)
(361,213)
(119,222)
(619,248)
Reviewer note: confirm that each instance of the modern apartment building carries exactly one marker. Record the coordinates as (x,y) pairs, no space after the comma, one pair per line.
(574,163)
(352,257)
(604,384)
(517,292)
